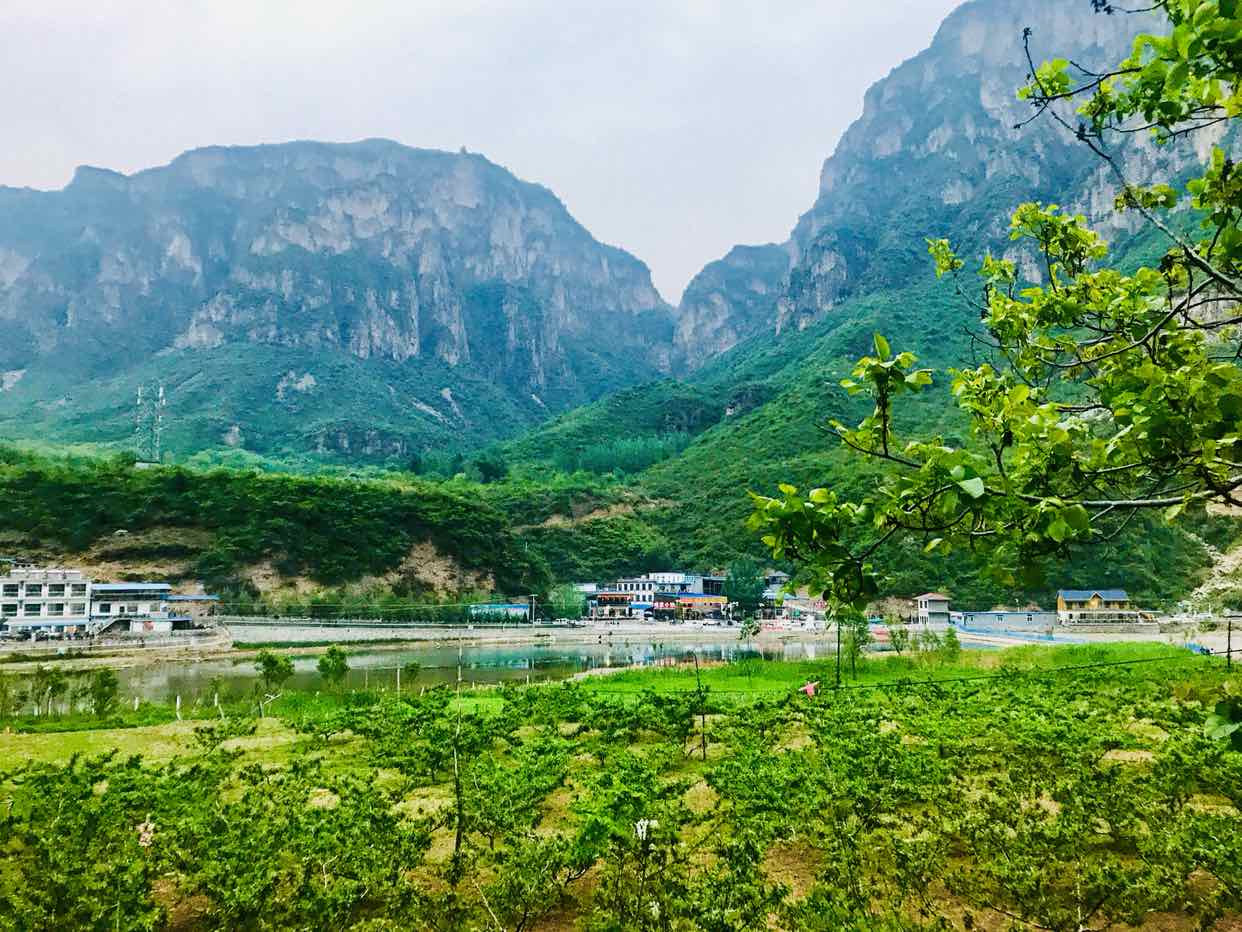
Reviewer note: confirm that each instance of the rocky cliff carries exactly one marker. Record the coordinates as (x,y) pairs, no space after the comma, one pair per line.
(420,260)
(937,152)
(729,300)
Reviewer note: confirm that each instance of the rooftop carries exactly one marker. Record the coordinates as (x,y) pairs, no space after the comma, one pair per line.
(1083,595)
(132,587)
(934,595)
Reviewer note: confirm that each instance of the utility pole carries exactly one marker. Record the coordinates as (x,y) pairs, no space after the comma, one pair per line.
(1229,642)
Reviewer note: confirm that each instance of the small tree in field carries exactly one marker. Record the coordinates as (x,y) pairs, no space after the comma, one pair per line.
(951,647)
(898,635)
(103,690)
(410,671)
(333,666)
(857,635)
(274,669)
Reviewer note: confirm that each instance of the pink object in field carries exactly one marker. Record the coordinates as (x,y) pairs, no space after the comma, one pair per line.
(809,688)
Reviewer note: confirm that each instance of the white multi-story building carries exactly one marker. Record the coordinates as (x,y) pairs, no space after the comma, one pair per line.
(646,586)
(61,601)
(933,608)
(50,598)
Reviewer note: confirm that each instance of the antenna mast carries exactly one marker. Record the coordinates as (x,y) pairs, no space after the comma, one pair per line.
(157,428)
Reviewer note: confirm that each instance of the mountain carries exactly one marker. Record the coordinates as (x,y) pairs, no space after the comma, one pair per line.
(730,299)
(362,298)
(371,300)
(938,151)
(934,154)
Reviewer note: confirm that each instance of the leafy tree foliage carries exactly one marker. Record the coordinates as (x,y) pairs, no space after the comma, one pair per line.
(1104,393)
(565,601)
(492,468)
(274,669)
(333,666)
(103,690)
(331,529)
(744,586)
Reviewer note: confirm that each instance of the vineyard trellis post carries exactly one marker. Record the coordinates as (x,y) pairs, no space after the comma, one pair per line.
(702,708)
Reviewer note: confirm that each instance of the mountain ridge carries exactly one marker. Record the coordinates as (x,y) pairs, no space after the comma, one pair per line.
(427,259)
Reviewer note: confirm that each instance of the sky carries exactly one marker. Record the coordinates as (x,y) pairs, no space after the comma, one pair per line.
(671,128)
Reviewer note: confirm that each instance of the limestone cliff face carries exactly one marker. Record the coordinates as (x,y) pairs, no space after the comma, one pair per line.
(731,299)
(936,153)
(373,249)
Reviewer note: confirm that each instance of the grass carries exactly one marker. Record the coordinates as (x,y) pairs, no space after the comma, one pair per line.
(756,677)
(155,743)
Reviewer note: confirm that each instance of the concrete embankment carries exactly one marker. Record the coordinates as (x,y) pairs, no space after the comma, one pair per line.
(260,631)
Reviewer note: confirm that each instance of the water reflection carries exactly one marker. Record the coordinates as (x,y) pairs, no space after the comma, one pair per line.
(442,664)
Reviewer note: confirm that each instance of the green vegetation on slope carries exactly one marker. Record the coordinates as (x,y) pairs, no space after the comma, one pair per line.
(328,529)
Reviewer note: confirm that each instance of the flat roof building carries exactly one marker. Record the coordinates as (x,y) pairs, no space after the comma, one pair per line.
(49,598)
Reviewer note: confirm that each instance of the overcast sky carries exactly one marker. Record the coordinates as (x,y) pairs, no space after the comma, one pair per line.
(672,129)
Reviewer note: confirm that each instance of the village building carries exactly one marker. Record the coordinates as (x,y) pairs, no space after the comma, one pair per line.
(1025,620)
(645,587)
(1097,606)
(143,608)
(775,579)
(43,601)
(698,607)
(610,605)
(933,608)
(52,599)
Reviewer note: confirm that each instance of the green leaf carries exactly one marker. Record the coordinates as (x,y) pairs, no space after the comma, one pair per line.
(881,346)
(1077,517)
(1218,727)
(973,487)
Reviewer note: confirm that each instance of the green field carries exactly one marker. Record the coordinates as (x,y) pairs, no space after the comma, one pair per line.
(1020,789)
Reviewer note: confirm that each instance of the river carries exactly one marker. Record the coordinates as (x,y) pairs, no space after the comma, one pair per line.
(371,668)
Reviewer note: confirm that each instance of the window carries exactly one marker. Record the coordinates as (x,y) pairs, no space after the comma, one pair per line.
(32,608)
(105,608)
(10,609)
(10,589)
(55,589)
(78,589)
(35,589)
(77,608)
(56,608)
(131,609)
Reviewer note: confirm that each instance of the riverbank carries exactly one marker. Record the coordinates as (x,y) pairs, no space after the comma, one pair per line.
(244,640)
